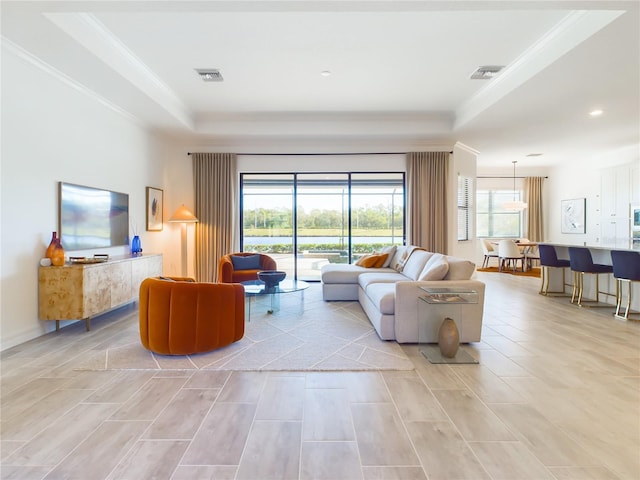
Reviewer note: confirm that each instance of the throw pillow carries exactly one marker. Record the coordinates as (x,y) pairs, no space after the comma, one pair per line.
(372,261)
(389,251)
(436,268)
(399,266)
(246,262)
(400,263)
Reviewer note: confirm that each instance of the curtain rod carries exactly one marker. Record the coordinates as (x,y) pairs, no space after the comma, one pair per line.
(510,176)
(321,154)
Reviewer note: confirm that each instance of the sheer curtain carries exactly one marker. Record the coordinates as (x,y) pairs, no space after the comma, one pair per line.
(533,197)
(427,174)
(215,185)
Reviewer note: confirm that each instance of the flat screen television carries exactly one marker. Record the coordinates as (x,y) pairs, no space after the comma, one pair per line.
(91,217)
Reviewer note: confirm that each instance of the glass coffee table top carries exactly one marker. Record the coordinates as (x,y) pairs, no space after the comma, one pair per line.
(256,288)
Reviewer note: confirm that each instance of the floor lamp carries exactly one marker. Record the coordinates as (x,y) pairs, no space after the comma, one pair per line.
(183,215)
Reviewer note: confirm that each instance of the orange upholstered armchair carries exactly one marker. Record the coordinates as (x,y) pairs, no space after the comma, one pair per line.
(180,317)
(243,266)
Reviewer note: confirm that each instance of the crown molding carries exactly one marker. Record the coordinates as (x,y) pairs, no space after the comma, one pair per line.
(26,56)
(89,32)
(572,30)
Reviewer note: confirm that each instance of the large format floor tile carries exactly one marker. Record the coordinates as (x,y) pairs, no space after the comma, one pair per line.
(556,396)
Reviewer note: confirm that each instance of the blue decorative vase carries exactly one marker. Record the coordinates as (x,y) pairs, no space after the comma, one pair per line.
(136,247)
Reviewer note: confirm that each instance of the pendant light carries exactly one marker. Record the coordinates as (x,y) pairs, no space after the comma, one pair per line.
(516,205)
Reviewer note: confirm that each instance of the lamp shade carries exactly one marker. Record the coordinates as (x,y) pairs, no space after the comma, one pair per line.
(515,205)
(183,215)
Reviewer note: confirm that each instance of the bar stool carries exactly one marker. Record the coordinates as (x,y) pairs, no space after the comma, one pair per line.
(626,268)
(549,259)
(581,262)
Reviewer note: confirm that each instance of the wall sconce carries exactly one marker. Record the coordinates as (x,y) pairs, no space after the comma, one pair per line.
(183,215)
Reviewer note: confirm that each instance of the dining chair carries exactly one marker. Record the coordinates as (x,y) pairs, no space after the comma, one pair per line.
(509,254)
(531,254)
(489,252)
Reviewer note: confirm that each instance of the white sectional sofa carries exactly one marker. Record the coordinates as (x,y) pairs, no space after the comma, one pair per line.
(390,295)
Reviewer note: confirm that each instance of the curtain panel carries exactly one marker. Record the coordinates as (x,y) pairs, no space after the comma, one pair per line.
(427,176)
(215,184)
(534,216)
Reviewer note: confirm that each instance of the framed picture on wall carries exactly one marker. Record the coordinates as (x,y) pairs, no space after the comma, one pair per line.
(573,215)
(154,209)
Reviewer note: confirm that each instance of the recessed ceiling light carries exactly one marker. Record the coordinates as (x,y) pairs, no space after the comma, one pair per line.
(534,155)
(596,113)
(486,72)
(210,74)
(325,73)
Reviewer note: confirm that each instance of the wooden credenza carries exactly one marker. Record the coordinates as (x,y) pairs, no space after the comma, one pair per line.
(82,291)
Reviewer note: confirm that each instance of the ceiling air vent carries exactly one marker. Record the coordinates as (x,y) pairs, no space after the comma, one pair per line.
(486,72)
(210,74)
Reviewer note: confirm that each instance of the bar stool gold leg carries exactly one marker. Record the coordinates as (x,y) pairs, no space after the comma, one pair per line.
(618,296)
(581,288)
(628,309)
(619,293)
(543,288)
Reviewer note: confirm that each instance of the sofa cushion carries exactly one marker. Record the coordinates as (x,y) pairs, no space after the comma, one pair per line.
(383,295)
(460,269)
(345,273)
(436,268)
(366,279)
(373,260)
(415,263)
(245,262)
(401,256)
(390,251)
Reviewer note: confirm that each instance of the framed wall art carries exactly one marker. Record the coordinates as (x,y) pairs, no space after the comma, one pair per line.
(573,215)
(154,209)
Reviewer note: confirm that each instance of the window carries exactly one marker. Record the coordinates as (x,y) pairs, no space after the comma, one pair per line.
(306,220)
(464,208)
(492,219)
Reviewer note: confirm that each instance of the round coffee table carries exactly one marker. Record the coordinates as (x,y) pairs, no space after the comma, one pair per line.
(257,288)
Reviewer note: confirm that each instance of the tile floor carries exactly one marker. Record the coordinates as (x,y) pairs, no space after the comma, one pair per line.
(556,396)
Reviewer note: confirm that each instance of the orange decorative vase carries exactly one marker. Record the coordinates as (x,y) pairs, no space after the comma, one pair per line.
(448,338)
(57,256)
(52,245)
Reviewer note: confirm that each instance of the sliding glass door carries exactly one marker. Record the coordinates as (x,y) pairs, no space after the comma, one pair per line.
(307,220)
(377,211)
(322,222)
(267,203)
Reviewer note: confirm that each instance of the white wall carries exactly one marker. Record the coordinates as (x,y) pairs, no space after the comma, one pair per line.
(583,180)
(322,163)
(464,162)
(53,132)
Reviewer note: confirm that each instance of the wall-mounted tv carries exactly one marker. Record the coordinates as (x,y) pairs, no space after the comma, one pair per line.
(91,217)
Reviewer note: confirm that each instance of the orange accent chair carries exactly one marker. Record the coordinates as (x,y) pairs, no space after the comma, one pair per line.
(179,316)
(228,273)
